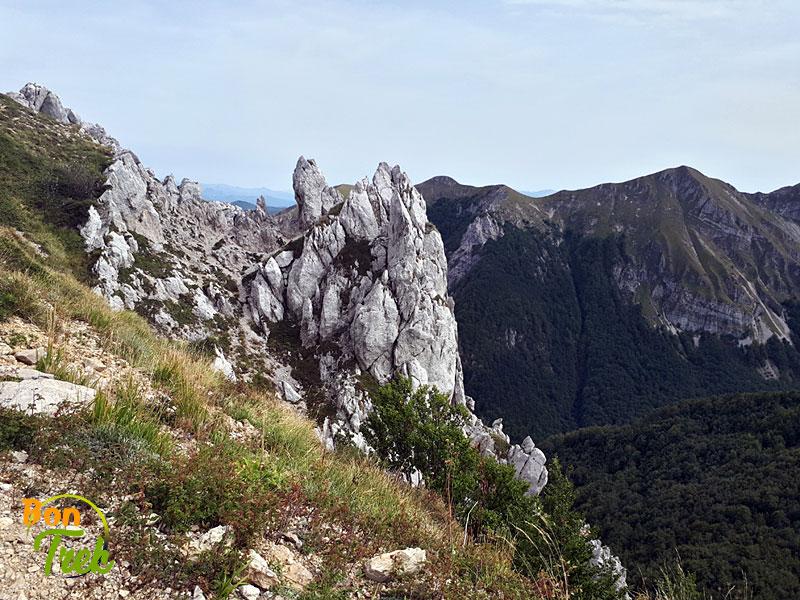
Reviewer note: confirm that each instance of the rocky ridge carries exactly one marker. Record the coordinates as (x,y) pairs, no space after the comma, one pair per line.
(358,287)
(366,286)
(701,256)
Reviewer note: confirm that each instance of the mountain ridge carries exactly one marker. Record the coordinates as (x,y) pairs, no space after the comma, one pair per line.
(609,301)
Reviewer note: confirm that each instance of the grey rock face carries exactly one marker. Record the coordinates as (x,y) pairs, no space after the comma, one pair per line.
(483,228)
(529,464)
(364,280)
(370,281)
(39,99)
(528,461)
(314,197)
(366,286)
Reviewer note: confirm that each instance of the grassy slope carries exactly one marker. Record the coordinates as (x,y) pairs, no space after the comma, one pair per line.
(237,483)
(49,175)
(662,224)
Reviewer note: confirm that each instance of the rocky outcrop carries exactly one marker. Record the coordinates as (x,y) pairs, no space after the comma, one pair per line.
(361,283)
(367,284)
(603,558)
(483,228)
(39,99)
(192,250)
(366,288)
(529,464)
(314,196)
(159,245)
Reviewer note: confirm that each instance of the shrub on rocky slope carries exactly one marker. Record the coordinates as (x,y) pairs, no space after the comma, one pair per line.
(177,450)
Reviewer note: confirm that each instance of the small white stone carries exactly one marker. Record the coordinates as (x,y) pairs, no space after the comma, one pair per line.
(249,592)
(19,456)
(29,357)
(258,571)
(383,567)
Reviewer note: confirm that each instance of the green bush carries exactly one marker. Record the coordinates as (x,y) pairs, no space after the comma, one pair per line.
(221,484)
(421,430)
(17,430)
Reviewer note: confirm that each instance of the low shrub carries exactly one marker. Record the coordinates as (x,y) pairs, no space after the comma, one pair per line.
(222,483)
(128,416)
(17,430)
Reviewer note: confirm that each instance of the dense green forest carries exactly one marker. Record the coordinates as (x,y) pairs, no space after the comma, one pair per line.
(549,344)
(715,480)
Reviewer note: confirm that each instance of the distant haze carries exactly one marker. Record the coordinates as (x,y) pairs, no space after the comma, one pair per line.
(230,193)
(531,93)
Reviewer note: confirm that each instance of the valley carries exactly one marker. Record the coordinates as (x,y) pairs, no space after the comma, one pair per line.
(581,321)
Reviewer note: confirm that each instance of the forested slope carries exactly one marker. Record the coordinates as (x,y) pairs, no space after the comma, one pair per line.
(715,480)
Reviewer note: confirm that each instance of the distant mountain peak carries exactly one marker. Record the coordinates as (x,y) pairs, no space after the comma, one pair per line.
(443,180)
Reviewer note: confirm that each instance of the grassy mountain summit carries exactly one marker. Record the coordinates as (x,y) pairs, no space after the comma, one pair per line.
(736,259)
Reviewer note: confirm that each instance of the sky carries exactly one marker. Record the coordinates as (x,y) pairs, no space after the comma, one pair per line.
(532,93)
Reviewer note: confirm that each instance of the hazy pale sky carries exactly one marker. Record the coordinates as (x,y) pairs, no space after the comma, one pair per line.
(533,93)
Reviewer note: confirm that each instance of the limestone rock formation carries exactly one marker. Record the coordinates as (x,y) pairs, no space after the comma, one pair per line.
(314,197)
(39,99)
(368,279)
(42,395)
(365,288)
(355,287)
(529,464)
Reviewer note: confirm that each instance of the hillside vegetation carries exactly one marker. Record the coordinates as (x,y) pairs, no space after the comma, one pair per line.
(713,479)
(179,451)
(550,344)
(49,175)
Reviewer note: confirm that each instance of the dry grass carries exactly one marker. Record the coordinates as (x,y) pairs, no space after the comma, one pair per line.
(346,487)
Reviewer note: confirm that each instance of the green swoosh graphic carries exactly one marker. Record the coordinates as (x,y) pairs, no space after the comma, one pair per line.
(82,499)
